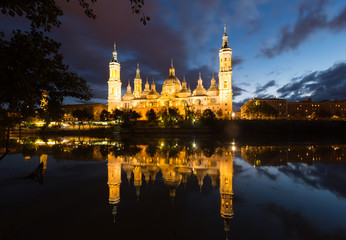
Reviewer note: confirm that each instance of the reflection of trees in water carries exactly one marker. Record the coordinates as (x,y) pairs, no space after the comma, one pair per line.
(281,155)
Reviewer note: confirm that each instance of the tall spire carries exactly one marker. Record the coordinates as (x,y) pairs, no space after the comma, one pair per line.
(129,87)
(225,38)
(115,54)
(172,70)
(138,75)
(224,29)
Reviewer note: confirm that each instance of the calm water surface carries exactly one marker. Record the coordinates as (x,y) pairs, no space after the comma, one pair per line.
(85,188)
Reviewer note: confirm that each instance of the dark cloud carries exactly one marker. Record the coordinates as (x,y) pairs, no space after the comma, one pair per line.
(237,90)
(237,61)
(247,13)
(263,88)
(266,171)
(310,19)
(319,85)
(88,44)
(296,226)
(320,176)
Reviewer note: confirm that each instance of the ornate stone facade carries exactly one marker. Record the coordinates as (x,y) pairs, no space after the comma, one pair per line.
(174,92)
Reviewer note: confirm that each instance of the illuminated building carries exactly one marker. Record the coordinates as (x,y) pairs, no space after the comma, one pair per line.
(297,110)
(43,160)
(226,190)
(114,180)
(281,155)
(174,92)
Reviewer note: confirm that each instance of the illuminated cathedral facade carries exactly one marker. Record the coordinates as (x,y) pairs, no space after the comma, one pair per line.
(174,92)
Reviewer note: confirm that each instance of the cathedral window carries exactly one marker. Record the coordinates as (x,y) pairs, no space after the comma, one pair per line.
(112,91)
(225,84)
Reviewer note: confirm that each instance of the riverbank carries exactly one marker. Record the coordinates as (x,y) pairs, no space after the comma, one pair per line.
(242,130)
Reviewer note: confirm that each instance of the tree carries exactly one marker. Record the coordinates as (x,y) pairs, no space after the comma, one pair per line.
(208,114)
(129,118)
(170,117)
(82,115)
(134,115)
(54,113)
(117,115)
(152,118)
(30,61)
(104,115)
(219,113)
(208,117)
(259,110)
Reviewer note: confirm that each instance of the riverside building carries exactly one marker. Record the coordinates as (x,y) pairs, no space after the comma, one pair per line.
(175,93)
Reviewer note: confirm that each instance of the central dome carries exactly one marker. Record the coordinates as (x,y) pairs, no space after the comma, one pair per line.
(172,84)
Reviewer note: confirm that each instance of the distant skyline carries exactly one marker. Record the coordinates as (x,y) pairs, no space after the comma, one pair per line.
(289,49)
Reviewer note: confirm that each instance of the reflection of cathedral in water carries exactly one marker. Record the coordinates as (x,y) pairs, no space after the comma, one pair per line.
(175,170)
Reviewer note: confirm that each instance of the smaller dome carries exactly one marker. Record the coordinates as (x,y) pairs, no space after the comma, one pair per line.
(128,95)
(153,94)
(213,90)
(184,91)
(200,90)
(146,90)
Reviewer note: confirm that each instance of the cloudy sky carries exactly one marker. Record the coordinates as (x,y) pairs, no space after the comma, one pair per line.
(289,49)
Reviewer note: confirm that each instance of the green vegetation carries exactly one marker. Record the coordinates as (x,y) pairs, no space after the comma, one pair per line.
(260,110)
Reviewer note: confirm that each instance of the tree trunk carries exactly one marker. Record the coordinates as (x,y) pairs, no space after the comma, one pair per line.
(7,144)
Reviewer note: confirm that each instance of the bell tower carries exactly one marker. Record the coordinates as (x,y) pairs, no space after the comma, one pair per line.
(138,83)
(225,76)
(114,83)
(226,190)
(114,181)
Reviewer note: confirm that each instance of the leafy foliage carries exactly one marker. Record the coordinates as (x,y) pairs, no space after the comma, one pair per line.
(259,110)
(208,117)
(41,13)
(30,61)
(105,115)
(136,6)
(29,64)
(170,117)
(152,118)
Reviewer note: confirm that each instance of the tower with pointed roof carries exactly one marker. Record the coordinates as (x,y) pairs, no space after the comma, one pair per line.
(114,83)
(226,189)
(137,83)
(225,76)
(114,181)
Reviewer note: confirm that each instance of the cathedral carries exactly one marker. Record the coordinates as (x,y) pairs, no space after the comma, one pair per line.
(175,93)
